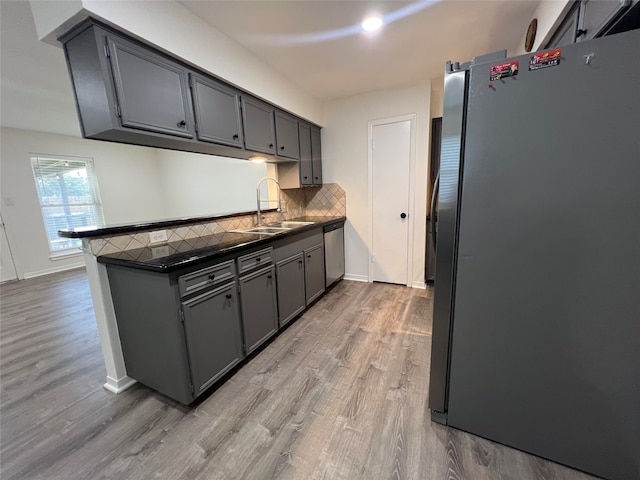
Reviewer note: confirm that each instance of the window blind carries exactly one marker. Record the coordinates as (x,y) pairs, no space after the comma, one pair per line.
(68,194)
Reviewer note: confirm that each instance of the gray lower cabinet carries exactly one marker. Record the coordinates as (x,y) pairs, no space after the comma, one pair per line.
(314,272)
(258,301)
(217,112)
(183,330)
(180,331)
(213,335)
(291,291)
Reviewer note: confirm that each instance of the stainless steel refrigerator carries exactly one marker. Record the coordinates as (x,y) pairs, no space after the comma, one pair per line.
(536,328)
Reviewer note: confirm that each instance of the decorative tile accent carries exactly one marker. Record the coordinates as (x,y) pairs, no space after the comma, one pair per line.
(329,200)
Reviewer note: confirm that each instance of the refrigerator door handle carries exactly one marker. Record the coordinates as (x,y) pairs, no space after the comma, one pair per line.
(434,196)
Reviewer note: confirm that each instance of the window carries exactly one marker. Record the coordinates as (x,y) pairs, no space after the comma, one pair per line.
(68,194)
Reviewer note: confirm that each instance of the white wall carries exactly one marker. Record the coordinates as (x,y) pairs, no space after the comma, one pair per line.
(345,161)
(549,13)
(128,180)
(210,184)
(175,29)
(437,97)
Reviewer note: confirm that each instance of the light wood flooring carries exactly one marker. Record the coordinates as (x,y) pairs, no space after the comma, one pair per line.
(341,394)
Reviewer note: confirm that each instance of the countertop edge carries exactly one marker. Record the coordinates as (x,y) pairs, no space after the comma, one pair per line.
(173,266)
(151,225)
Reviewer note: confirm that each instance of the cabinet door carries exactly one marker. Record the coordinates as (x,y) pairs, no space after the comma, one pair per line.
(314,272)
(597,15)
(152,91)
(213,335)
(306,172)
(259,128)
(259,316)
(217,112)
(287,136)
(316,155)
(565,34)
(291,293)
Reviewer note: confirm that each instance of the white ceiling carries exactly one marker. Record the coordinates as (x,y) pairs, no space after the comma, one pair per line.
(408,51)
(36,92)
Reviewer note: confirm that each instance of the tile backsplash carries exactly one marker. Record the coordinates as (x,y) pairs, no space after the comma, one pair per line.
(329,200)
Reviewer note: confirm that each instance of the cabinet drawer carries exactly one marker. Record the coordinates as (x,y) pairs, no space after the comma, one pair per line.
(256,259)
(207,277)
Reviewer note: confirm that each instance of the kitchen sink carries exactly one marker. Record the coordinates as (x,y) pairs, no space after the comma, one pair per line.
(265,230)
(290,224)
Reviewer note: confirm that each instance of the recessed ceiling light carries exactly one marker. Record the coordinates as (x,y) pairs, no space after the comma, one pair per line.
(372,23)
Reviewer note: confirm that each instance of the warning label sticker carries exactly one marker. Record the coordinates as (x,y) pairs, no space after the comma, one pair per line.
(545,59)
(503,70)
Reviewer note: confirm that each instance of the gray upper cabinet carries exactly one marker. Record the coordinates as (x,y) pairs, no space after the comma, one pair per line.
(566,31)
(587,19)
(213,336)
(217,112)
(259,127)
(306,167)
(151,91)
(129,92)
(598,16)
(287,135)
(316,155)
(308,171)
(314,272)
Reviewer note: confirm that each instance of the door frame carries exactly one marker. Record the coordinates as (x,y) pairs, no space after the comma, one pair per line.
(412,118)
(9,253)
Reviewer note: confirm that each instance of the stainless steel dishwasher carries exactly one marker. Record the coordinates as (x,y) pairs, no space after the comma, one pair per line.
(333,253)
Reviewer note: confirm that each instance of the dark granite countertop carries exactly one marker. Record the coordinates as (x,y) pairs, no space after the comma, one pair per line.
(93,231)
(176,255)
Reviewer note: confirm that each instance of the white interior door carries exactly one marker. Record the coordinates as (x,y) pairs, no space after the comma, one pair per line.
(390,200)
(7,268)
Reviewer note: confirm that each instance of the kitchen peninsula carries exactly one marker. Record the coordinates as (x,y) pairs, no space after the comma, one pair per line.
(118,257)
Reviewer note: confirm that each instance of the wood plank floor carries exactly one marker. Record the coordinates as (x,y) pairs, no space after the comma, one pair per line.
(341,394)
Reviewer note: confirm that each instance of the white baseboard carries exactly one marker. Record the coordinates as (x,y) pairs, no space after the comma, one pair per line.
(49,271)
(356,278)
(118,386)
(420,285)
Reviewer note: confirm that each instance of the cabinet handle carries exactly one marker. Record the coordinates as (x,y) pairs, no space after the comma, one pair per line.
(257,259)
(182,123)
(212,276)
(235,137)
(229,296)
(305,177)
(282,147)
(316,178)
(308,256)
(299,261)
(269,276)
(271,145)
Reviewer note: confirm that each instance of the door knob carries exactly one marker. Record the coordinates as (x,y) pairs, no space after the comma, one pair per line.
(403,215)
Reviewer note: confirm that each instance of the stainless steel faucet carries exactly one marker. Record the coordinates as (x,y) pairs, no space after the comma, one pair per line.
(279,200)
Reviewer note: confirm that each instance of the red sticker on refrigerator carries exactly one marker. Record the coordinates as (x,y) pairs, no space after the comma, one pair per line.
(503,70)
(545,59)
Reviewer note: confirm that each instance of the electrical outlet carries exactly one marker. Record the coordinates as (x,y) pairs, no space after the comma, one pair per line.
(162,251)
(158,236)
